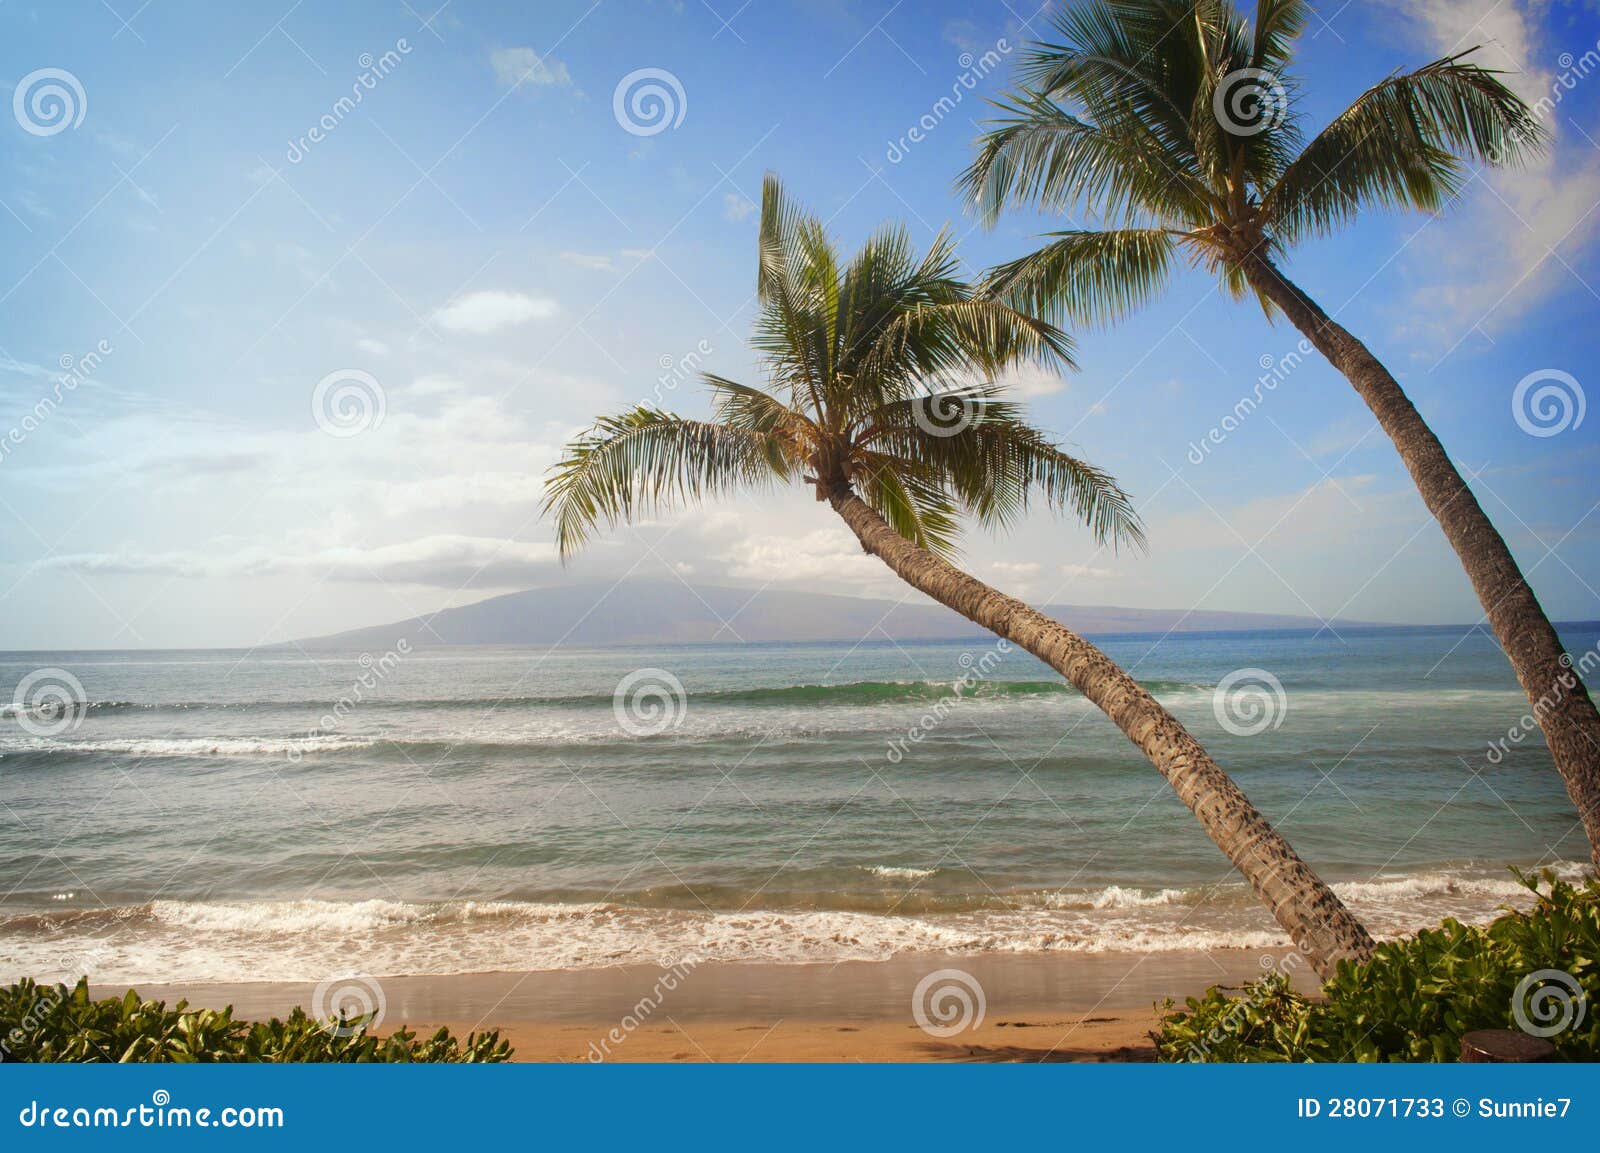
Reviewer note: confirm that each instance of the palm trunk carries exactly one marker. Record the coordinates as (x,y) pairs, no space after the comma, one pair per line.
(1561,703)
(1317,921)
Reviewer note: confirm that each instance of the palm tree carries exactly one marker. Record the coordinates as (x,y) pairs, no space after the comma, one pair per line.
(1171,122)
(874,406)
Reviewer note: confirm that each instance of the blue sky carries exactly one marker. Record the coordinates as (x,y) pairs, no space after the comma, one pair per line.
(484,244)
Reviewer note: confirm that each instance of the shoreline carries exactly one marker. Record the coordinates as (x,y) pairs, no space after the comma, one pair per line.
(1083,1007)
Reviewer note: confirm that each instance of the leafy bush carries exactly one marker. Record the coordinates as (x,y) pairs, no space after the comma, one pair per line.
(55,1023)
(1416,996)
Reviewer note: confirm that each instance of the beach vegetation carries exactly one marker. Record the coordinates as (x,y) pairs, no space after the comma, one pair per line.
(1536,971)
(65,1024)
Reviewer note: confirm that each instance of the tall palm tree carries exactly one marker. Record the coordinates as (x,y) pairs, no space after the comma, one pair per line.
(872,363)
(1171,121)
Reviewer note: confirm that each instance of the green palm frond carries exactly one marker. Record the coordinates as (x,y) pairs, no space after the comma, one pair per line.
(1040,154)
(1401,144)
(1182,115)
(865,356)
(645,460)
(1088,278)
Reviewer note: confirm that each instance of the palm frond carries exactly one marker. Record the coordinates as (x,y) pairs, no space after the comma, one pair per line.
(1401,144)
(1087,278)
(645,460)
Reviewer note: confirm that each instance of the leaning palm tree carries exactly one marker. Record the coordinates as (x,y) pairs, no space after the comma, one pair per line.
(1171,122)
(875,407)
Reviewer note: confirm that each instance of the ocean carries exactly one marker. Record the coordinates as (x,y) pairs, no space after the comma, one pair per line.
(278,816)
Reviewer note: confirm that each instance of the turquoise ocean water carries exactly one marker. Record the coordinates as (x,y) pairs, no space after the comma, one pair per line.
(278,816)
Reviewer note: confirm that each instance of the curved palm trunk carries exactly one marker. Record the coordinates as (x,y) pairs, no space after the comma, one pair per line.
(1321,927)
(1560,701)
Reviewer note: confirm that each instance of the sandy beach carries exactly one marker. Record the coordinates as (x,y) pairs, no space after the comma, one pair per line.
(1086,1007)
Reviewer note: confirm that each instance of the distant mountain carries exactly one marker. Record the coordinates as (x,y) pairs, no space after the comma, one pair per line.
(649,612)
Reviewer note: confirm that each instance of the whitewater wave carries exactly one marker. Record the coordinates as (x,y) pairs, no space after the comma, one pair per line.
(305,940)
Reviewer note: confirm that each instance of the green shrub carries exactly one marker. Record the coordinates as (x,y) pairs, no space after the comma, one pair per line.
(55,1023)
(1416,996)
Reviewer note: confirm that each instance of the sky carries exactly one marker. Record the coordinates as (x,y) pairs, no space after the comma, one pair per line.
(276,362)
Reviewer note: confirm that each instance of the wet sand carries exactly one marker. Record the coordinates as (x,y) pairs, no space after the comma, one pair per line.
(1083,1007)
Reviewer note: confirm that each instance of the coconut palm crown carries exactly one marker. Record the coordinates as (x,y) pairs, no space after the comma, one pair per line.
(1175,123)
(885,374)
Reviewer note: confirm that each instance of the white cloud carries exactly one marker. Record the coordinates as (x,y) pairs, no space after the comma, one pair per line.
(1027,381)
(737,206)
(1489,259)
(598,261)
(480,312)
(372,347)
(442,561)
(523,67)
